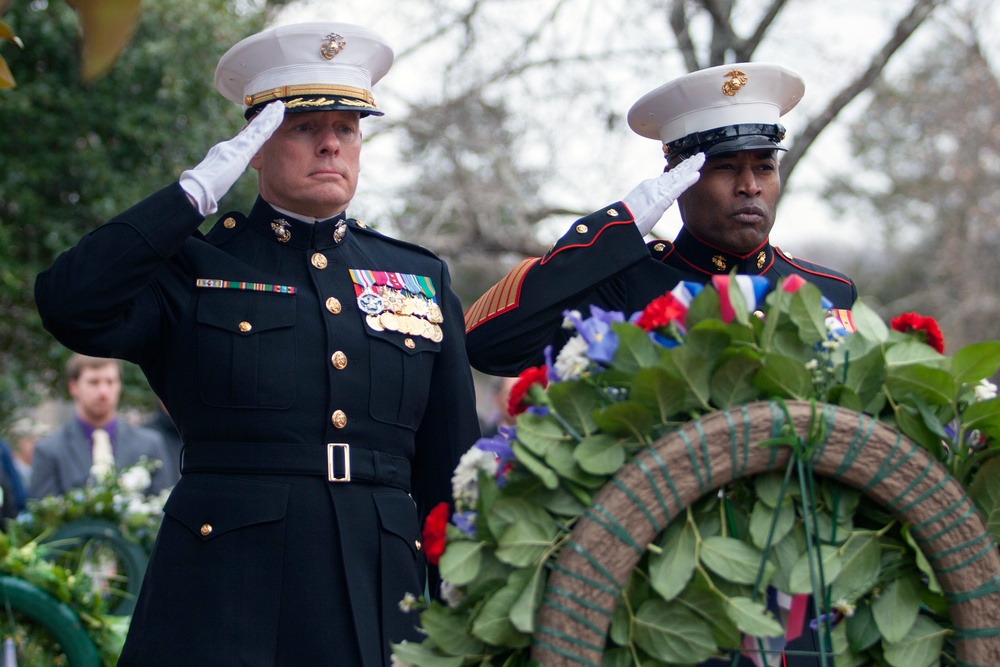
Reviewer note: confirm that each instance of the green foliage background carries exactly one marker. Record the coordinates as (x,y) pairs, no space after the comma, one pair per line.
(72,155)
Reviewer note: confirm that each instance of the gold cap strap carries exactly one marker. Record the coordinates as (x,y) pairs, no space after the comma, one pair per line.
(311,89)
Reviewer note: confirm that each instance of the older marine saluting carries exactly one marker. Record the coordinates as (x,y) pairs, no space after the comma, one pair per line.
(315,369)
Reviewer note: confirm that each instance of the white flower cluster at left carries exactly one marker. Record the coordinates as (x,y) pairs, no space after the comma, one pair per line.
(465,479)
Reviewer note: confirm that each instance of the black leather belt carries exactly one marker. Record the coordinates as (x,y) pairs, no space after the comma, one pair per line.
(336,461)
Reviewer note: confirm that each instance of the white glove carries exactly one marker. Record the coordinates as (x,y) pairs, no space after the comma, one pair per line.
(227,161)
(651,198)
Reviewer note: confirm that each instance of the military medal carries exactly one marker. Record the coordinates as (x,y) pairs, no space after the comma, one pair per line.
(400,302)
(369,300)
(389,321)
(434,313)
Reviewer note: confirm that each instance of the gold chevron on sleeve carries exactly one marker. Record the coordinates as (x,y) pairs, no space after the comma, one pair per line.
(500,298)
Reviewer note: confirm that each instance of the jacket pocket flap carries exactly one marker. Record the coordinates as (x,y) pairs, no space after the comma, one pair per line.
(245,313)
(398,515)
(212,505)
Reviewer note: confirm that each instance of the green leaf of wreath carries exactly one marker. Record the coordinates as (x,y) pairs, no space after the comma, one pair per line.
(600,454)
(868,323)
(693,370)
(802,575)
(922,562)
(574,401)
(985,493)
(860,365)
(627,419)
(460,561)
(522,612)
(523,543)
(492,623)
(933,385)
(913,352)
(753,618)
(784,377)
(921,647)
(671,569)
(662,393)
(634,351)
(448,631)
(734,560)
(562,459)
(976,362)
(861,560)
(538,433)
(672,633)
(534,465)
(861,630)
(732,381)
(420,655)
(761,519)
(897,608)
(984,416)
(807,314)
(508,510)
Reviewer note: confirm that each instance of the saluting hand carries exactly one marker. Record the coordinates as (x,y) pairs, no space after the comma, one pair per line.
(651,198)
(214,175)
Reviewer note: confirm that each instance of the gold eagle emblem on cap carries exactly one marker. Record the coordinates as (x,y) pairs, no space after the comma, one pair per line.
(736,80)
(332,45)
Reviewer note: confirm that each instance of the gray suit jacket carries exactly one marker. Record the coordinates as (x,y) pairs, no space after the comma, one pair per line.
(62,460)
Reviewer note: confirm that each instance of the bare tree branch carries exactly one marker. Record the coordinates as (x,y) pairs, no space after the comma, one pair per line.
(745,48)
(907,25)
(679,24)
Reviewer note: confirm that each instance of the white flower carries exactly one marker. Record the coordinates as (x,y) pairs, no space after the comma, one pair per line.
(465,479)
(135,480)
(567,323)
(985,390)
(572,361)
(406,604)
(812,365)
(451,594)
(845,607)
(834,328)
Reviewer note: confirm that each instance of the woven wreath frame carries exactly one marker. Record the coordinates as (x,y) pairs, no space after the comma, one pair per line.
(661,482)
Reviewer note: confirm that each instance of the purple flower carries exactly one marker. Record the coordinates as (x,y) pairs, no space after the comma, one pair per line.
(596,330)
(539,410)
(465,522)
(498,444)
(550,366)
(833,617)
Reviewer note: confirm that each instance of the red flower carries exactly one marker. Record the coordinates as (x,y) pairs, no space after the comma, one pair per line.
(660,312)
(434,533)
(535,375)
(927,326)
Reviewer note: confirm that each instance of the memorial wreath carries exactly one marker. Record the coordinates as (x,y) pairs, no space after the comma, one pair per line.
(753,562)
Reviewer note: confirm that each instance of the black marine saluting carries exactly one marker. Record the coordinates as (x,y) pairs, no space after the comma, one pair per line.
(721,137)
(315,369)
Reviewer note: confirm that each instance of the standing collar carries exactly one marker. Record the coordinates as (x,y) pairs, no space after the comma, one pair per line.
(286,229)
(704,258)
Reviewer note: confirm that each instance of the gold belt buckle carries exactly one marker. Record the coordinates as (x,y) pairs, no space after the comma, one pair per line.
(330,476)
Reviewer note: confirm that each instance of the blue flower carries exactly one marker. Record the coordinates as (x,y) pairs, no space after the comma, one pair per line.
(596,331)
(498,444)
(465,522)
